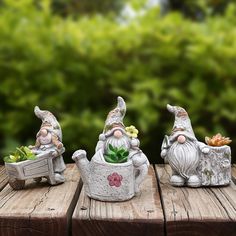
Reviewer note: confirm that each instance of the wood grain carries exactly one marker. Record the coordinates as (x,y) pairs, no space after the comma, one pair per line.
(3,178)
(139,216)
(197,212)
(39,209)
(234,173)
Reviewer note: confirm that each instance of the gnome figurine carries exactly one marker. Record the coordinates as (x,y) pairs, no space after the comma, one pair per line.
(181,151)
(49,140)
(108,179)
(116,134)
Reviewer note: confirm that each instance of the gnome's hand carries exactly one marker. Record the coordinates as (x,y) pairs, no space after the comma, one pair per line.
(102,137)
(163,153)
(55,154)
(134,143)
(59,145)
(35,151)
(205,150)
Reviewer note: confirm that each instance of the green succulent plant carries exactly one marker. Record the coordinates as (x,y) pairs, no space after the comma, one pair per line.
(21,154)
(116,155)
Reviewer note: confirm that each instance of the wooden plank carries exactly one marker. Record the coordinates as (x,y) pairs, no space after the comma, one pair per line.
(40,209)
(197,211)
(139,216)
(3,178)
(234,173)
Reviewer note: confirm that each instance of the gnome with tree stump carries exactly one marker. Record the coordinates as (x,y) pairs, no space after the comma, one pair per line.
(195,163)
(49,140)
(181,150)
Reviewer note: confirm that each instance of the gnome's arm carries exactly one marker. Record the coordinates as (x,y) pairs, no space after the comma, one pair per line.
(57,142)
(134,143)
(36,145)
(203,147)
(58,151)
(100,143)
(164,148)
(58,146)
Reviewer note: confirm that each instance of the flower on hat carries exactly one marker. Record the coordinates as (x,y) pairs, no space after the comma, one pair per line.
(131,131)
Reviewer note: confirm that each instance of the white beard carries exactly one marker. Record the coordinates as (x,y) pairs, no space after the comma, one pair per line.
(184,158)
(123,142)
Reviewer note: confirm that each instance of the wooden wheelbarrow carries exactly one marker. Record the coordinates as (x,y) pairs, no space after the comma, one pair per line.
(31,169)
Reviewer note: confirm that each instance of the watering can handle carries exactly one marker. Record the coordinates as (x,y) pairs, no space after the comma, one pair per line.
(141,165)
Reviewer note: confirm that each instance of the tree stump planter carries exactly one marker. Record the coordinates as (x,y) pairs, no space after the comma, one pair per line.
(214,167)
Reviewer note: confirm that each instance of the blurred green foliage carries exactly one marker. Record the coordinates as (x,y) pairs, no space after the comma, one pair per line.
(78,7)
(199,9)
(77,67)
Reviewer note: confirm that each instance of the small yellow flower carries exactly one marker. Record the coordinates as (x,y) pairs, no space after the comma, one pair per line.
(131,131)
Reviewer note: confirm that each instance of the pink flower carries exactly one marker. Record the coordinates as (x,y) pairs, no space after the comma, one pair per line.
(114,179)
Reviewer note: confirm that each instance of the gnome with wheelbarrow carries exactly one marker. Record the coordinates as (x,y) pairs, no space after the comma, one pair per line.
(48,161)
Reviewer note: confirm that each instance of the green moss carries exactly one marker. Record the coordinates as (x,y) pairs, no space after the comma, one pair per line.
(116,155)
(21,154)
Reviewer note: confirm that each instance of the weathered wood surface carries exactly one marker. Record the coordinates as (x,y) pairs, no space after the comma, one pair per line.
(139,216)
(197,212)
(3,178)
(39,209)
(234,173)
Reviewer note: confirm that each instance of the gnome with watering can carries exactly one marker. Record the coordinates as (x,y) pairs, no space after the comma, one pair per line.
(118,166)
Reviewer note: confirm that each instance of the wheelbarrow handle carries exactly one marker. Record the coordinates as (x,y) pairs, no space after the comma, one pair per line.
(45,154)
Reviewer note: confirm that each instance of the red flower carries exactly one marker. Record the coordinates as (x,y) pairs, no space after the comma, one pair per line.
(114,179)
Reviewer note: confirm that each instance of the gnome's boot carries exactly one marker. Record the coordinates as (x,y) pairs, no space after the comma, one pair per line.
(194,181)
(59,177)
(177,180)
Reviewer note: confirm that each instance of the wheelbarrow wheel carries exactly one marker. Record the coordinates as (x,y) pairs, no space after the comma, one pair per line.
(38,179)
(16,184)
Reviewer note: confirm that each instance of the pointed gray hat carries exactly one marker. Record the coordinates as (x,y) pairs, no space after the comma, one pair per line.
(116,116)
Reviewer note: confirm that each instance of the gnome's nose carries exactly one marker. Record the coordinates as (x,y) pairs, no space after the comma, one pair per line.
(181,139)
(118,134)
